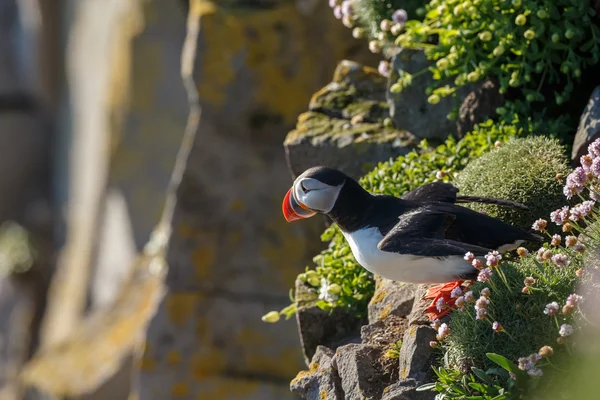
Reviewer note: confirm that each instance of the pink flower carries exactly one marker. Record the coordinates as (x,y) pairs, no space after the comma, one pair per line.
(460,302)
(594,149)
(579,247)
(456,292)
(493,258)
(529,281)
(469,257)
(484,275)
(586,162)
(482,302)
(535,372)
(400,16)
(384,68)
(443,331)
(565,330)
(574,299)
(539,225)
(440,304)
(435,324)
(586,207)
(570,241)
(485,292)
(595,168)
(347,7)
(337,12)
(469,298)
(560,216)
(560,260)
(540,254)
(576,181)
(525,363)
(480,313)
(551,309)
(496,326)
(477,263)
(555,240)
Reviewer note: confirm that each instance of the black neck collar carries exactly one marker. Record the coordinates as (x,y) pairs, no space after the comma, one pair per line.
(352,207)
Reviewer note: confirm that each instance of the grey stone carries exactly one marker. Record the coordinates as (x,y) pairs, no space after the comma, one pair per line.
(391,298)
(321,381)
(384,332)
(406,390)
(589,126)
(358,367)
(478,106)
(317,327)
(415,353)
(410,109)
(418,315)
(344,126)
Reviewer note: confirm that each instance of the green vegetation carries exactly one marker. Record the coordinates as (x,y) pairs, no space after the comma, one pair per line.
(525,171)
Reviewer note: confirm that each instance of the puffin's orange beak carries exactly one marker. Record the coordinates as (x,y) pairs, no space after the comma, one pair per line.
(294,210)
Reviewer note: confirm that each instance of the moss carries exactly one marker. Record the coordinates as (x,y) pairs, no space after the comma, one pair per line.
(523,170)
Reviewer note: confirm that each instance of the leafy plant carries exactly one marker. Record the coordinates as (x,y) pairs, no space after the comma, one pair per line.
(523,44)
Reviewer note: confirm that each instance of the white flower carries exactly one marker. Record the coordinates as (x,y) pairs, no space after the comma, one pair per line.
(325,293)
(443,331)
(551,309)
(435,324)
(565,330)
(484,275)
(469,298)
(469,257)
(560,260)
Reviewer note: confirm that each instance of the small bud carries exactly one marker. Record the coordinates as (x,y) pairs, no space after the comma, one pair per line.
(542,14)
(560,340)
(358,33)
(271,317)
(521,20)
(570,33)
(526,290)
(498,51)
(579,273)
(517,3)
(374,46)
(522,252)
(385,25)
(486,292)
(433,99)
(348,21)
(568,309)
(485,36)
(529,281)
(396,88)
(433,344)
(440,175)
(313,281)
(497,144)
(567,227)
(546,351)
(559,177)
(529,34)
(396,29)
(547,255)
(555,38)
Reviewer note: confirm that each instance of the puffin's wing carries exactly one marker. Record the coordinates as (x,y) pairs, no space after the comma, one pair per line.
(422,232)
(435,191)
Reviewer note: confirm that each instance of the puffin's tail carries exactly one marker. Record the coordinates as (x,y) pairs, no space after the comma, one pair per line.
(489,200)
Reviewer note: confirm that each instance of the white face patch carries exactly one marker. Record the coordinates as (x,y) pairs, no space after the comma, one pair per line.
(316,195)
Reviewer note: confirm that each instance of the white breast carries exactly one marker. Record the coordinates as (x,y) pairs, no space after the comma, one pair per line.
(402,267)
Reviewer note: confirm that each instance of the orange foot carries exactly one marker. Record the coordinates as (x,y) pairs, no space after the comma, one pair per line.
(442,292)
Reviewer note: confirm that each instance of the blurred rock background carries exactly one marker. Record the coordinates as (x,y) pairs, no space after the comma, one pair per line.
(92,116)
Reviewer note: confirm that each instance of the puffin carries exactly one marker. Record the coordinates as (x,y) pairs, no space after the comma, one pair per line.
(421,237)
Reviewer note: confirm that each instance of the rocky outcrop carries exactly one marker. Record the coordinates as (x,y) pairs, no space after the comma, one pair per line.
(478,106)
(589,126)
(410,109)
(345,126)
(377,367)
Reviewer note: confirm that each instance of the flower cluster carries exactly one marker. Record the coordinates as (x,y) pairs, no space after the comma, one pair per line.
(529,364)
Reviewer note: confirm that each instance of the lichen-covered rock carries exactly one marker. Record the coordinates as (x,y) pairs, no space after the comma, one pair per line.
(321,381)
(318,327)
(391,298)
(589,126)
(359,370)
(478,106)
(410,109)
(415,353)
(384,332)
(406,389)
(344,125)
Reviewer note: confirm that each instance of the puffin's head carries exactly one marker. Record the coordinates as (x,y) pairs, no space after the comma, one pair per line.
(315,191)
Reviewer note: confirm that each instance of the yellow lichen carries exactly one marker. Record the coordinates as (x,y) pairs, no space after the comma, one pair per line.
(181,306)
(180,389)
(385,312)
(378,297)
